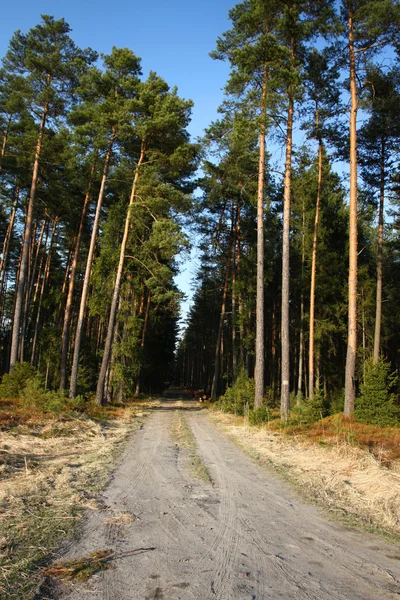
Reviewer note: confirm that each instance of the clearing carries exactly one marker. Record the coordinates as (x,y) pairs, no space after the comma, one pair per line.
(187,515)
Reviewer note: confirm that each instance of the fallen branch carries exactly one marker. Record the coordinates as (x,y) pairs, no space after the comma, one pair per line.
(82,568)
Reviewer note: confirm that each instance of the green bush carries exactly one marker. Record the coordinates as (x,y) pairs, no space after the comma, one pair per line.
(309,411)
(13,383)
(259,415)
(240,395)
(376,404)
(35,397)
(336,401)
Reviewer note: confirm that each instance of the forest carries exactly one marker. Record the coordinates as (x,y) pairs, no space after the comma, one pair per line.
(292,196)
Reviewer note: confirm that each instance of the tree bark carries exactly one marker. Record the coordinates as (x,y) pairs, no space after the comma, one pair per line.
(285,391)
(259,366)
(85,288)
(4,144)
(6,245)
(68,303)
(44,280)
(15,340)
(215,382)
(117,286)
(378,312)
(314,274)
(301,340)
(142,341)
(350,387)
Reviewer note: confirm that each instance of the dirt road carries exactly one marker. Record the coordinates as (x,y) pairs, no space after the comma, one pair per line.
(243,536)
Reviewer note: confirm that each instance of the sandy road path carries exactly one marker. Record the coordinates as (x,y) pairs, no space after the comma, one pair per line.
(245,536)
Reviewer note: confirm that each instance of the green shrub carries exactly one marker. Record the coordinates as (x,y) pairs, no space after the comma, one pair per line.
(259,415)
(13,383)
(35,397)
(336,401)
(376,404)
(240,395)
(309,411)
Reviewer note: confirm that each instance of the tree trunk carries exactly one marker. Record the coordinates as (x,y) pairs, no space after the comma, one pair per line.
(85,288)
(6,244)
(259,367)
(68,303)
(20,292)
(233,259)
(215,382)
(350,387)
(378,313)
(142,341)
(285,365)
(301,340)
(44,280)
(4,144)
(117,286)
(314,273)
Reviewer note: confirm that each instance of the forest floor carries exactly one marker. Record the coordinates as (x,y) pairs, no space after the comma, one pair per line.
(52,468)
(189,515)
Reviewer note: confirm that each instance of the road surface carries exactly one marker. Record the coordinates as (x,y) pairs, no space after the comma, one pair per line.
(245,536)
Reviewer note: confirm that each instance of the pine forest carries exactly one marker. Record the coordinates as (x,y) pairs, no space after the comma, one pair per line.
(103,193)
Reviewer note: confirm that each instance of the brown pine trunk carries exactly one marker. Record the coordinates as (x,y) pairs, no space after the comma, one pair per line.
(234,294)
(240,295)
(6,244)
(301,340)
(215,382)
(89,261)
(311,349)
(4,144)
(117,286)
(259,366)
(70,296)
(142,341)
(44,281)
(20,291)
(285,365)
(350,388)
(378,312)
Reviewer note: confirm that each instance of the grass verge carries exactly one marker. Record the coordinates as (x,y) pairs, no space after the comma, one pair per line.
(183,437)
(349,481)
(52,468)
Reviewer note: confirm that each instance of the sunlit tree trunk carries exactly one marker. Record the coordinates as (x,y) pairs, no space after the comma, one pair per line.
(378,313)
(259,366)
(143,340)
(20,291)
(5,140)
(217,367)
(311,350)
(285,390)
(71,287)
(117,285)
(6,245)
(350,387)
(85,288)
(44,281)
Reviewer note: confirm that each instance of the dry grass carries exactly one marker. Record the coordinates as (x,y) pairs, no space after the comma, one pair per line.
(183,438)
(51,468)
(382,442)
(349,480)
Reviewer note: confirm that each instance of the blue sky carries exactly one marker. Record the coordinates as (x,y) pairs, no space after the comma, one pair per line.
(173,38)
